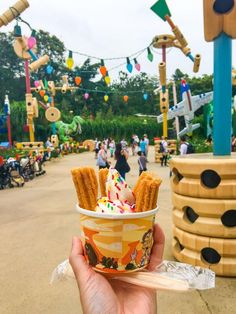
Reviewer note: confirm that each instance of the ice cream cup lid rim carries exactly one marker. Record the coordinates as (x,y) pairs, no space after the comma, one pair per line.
(92,213)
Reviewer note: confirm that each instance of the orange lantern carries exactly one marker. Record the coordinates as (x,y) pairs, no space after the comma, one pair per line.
(42,93)
(77,80)
(103,70)
(126,98)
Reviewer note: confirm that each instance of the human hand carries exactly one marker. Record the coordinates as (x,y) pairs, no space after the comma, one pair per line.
(98,294)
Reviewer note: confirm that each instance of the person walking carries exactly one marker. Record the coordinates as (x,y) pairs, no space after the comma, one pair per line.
(146,139)
(143,146)
(102,161)
(112,147)
(183,146)
(142,161)
(164,151)
(121,157)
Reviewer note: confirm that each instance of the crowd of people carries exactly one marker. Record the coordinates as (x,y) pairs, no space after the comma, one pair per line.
(120,152)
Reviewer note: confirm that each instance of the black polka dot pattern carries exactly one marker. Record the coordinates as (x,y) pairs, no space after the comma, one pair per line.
(223,6)
(229,218)
(210,179)
(210,255)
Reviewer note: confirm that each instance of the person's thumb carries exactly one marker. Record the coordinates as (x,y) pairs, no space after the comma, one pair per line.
(77,259)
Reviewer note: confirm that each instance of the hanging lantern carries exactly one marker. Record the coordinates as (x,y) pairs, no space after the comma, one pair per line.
(129,65)
(107,79)
(86,96)
(126,98)
(106,97)
(103,69)
(70,61)
(145,96)
(77,80)
(137,65)
(45,98)
(36,84)
(150,55)
(17,31)
(49,69)
(42,93)
(31,42)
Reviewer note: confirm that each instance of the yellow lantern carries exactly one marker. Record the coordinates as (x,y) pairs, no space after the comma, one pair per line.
(106,97)
(45,98)
(107,79)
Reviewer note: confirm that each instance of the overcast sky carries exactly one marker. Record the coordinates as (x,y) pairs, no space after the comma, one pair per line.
(118,28)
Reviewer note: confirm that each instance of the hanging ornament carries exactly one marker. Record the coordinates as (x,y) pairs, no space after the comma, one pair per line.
(137,65)
(150,55)
(49,69)
(126,98)
(77,80)
(31,42)
(17,31)
(49,100)
(42,93)
(106,97)
(86,96)
(107,79)
(45,98)
(145,96)
(129,65)
(70,61)
(36,84)
(103,69)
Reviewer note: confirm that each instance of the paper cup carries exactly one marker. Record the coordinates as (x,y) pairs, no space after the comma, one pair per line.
(117,243)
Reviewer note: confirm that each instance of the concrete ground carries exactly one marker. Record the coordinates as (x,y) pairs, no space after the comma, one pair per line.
(37,223)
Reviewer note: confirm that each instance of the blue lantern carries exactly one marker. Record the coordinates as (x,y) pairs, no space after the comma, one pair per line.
(145,96)
(49,69)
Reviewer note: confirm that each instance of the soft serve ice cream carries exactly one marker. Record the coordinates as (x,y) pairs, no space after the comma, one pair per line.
(120,199)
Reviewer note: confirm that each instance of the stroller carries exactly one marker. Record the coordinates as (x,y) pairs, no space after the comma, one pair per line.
(5,177)
(13,167)
(27,168)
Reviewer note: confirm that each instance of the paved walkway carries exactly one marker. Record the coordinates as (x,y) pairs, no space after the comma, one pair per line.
(37,223)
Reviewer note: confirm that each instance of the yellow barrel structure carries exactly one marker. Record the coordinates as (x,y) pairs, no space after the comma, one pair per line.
(204,211)
(216,254)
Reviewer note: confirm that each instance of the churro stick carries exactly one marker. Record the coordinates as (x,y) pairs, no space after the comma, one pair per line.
(141,195)
(102,175)
(154,195)
(86,185)
(144,175)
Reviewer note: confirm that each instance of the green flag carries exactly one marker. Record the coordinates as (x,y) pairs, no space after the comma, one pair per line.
(161,9)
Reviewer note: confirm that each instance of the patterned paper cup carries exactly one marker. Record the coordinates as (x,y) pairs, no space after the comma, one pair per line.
(117,243)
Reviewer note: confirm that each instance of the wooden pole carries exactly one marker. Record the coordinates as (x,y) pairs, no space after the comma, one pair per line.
(28,91)
(165,122)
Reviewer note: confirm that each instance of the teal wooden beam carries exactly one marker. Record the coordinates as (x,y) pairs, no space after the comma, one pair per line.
(222,95)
